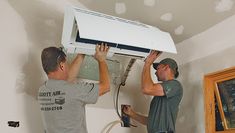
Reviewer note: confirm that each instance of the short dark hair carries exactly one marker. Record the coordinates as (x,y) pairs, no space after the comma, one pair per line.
(51,57)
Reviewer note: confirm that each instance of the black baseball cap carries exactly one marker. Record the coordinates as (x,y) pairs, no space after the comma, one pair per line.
(168,61)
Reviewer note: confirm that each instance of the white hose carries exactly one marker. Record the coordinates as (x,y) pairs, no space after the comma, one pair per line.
(110,125)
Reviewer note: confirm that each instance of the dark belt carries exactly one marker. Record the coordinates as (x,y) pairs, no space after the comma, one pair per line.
(166,132)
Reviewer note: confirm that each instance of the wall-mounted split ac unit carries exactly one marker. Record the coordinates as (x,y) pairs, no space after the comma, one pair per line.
(83,29)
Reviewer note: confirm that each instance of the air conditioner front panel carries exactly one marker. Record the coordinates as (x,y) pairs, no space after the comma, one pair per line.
(105,28)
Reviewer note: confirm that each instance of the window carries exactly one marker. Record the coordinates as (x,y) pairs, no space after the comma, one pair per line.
(219,99)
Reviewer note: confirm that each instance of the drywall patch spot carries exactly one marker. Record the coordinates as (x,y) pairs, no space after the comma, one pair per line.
(167,17)
(149,2)
(223,5)
(120,8)
(179,30)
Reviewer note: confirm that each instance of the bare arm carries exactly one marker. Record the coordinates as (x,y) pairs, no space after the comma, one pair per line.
(138,117)
(148,86)
(100,56)
(75,67)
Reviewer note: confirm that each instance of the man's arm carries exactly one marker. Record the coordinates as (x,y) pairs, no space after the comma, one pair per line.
(75,67)
(100,56)
(138,117)
(148,87)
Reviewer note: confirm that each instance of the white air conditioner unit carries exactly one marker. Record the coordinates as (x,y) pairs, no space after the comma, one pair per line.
(83,29)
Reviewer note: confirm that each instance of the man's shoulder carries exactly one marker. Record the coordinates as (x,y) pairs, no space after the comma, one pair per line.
(173,82)
(54,85)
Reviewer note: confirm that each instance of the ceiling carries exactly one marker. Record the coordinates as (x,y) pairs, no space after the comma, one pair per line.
(181,18)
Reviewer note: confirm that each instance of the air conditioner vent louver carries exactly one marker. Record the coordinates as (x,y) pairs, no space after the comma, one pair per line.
(89,41)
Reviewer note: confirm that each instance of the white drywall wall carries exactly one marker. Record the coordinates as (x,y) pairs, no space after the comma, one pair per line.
(28,26)
(204,53)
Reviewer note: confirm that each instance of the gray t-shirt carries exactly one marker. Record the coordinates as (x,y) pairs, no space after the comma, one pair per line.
(164,109)
(63,105)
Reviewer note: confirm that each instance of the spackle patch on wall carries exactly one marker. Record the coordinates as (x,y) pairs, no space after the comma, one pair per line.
(223,5)
(179,30)
(120,8)
(149,2)
(167,17)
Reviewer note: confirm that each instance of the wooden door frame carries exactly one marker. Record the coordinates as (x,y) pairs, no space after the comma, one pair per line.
(210,88)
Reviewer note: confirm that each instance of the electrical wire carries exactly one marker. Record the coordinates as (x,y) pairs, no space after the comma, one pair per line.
(116,103)
(132,61)
(112,124)
(117,107)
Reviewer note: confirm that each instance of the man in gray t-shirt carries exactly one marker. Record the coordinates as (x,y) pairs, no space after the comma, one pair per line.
(167,95)
(62,99)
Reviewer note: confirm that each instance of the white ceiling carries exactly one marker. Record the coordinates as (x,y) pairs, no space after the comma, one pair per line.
(181,18)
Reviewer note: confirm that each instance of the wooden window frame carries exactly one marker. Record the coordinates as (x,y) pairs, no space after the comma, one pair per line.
(210,90)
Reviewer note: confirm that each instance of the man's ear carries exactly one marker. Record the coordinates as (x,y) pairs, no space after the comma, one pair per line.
(61,66)
(166,67)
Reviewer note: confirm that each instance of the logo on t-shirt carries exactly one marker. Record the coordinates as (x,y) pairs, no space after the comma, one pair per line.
(51,101)
(60,100)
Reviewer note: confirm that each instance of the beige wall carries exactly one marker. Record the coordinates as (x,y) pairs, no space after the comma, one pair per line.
(204,53)
(27,26)
(191,116)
